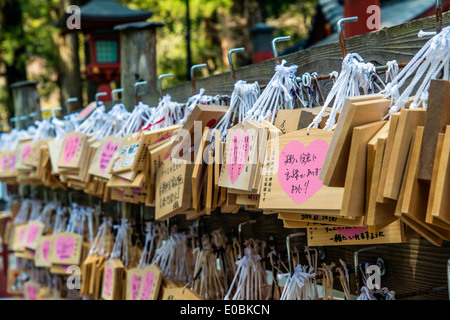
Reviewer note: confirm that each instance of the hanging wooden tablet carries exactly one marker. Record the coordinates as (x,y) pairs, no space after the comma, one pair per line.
(416,193)
(437,118)
(356,111)
(439,202)
(72,151)
(42,251)
(434,193)
(199,171)
(65,248)
(407,123)
(315,218)
(378,214)
(191,132)
(210,205)
(114,276)
(330,236)
(173,193)
(355,181)
(31,290)
(179,293)
(292,182)
(18,237)
(103,156)
(35,229)
(371,149)
(32,159)
(386,157)
(156,157)
(240,157)
(86,112)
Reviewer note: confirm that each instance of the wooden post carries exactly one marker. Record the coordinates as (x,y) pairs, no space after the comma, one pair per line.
(26,101)
(138,58)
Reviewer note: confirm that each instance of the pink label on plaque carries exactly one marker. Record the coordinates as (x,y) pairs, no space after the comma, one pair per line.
(350,232)
(137,191)
(25,151)
(108,280)
(64,247)
(135,286)
(12,163)
(70,148)
(45,249)
(5,161)
(106,154)
(147,286)
(33,232)
(32,292)
(22,234)
(299,168)
(237,154)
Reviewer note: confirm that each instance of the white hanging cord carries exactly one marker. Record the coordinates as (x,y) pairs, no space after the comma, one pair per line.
(431,59)
(276,95)
(148,246)
(122,244)
(22,215)
(243,97)
(299,285)
(355,75)
(136,120)
(250,277)
(167,113)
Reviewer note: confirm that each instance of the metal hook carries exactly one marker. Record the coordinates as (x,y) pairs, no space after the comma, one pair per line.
(288,247)
(356,261)
(68,102)
(241,238)
(274,46)
(99,94)
(230,62)
(136,85)
(203,65)
(113,92)
(165,75)
(438,16)
(54,111)
(340,24)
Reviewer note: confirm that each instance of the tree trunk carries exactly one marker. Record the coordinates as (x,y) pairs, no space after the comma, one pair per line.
(12,23)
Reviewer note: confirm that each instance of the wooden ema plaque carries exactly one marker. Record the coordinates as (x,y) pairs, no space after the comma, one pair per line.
(439,203)
(437,118)
(144,284)
(407,123)
(191,132)
(355,181)
(437,199)
(173,188)
(32,159)
(288,121)
(179,293)
(357,111)
(415,197)
(321,219)
(34,232)
(65,248)
(72,151)
(291,181)
(241,156)
(334,235)
(114,277)
(42,251)
(103,157)
(132,152)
